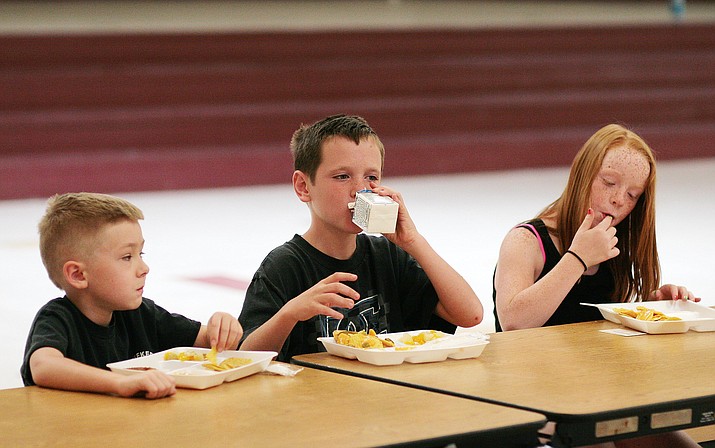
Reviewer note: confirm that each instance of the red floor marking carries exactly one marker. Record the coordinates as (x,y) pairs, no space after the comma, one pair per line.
(223,281)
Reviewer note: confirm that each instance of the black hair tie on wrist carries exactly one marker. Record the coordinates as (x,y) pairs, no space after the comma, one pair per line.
(585,266)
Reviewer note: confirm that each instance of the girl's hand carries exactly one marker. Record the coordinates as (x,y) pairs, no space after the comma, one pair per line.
(595,245)
(673,292)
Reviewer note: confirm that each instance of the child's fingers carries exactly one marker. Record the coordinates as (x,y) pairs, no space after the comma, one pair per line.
(587,221)
(606,223)
(340,277)
(234,336)
(213,328)
(386,191)
(673,292)
(229,334)
(682,293)
(670,292)
(333,284)
(330,312)
(686,294)
(338,301)
(151,384)
(221,331)
(158,386)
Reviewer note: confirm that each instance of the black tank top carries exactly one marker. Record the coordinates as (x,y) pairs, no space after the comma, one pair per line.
(596,288)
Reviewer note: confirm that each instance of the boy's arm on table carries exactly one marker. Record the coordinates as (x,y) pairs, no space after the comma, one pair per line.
(271,335)
(51,369)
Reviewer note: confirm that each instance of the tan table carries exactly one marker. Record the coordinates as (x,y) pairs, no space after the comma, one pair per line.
(315,408)
(595,386)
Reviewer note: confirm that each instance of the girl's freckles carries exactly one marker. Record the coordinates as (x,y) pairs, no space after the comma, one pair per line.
(624,158)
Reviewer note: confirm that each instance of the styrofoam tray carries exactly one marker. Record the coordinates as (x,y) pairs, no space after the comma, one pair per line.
(693,316)
(191,374)
(462,346)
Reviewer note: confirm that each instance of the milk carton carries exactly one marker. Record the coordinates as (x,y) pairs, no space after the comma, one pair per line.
(374,213)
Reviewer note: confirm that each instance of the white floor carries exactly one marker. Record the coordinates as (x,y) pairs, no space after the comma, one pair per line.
(203,246)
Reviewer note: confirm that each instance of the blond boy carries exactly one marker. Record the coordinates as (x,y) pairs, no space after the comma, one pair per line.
(91,245)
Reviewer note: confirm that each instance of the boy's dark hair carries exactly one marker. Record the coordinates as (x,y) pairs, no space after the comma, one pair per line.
(306,144)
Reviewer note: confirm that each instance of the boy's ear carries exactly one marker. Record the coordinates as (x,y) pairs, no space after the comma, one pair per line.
(73,272)
(301,185)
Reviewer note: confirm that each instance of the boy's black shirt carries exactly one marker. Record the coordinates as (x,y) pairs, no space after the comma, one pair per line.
(395,292)
(148,329)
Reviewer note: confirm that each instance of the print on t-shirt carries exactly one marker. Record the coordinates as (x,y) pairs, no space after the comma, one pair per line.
(368,313)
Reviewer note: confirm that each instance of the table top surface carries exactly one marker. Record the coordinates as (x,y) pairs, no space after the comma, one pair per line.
(312,408)
(562,371)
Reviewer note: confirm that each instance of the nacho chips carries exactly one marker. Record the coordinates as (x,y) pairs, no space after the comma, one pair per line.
(361,339)
(643,313)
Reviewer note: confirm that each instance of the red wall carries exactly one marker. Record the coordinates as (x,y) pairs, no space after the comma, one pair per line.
(172,111)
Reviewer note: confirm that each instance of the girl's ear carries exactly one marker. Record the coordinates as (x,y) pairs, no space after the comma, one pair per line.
(73,272)
(301,185)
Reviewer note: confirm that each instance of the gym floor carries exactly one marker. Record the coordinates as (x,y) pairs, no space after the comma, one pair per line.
(203,246)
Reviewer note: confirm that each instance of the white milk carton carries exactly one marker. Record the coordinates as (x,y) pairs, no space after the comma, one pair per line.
(374,213)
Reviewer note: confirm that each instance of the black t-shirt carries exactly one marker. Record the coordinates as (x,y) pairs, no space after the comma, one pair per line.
(596,288)
(395,293)
(130,334)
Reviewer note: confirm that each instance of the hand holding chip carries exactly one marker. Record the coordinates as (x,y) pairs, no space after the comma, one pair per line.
(223,332)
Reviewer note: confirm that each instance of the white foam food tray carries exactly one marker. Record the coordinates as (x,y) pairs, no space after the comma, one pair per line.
(693,316)
(192,374)
(461,346)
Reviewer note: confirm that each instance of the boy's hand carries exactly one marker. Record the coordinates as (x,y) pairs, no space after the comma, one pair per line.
(322,297)
(405,231)
(598,244)
(223,331)
(150,384)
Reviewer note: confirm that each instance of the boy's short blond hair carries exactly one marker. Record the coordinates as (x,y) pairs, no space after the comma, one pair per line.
(71,221)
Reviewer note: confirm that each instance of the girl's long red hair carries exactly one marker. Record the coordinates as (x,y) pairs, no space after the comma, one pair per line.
(636,269)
